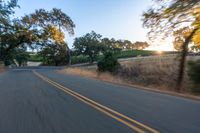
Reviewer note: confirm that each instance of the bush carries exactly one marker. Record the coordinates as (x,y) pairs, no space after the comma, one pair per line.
(7,62)
(55,55)
(79,59)
(194,73)
(108,63)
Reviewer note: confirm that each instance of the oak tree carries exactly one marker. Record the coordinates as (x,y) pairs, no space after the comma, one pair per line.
(166,16)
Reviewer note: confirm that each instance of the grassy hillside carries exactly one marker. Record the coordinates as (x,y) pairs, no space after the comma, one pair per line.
(121,54)
(159,72)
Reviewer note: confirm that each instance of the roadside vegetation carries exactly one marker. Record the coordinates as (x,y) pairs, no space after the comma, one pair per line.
(108,64)
(91,47)
(176,18)
(2,68)
(194,73)
(34,57)
(159,73)
(78,59)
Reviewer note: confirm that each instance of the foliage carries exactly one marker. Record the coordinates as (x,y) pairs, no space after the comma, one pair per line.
(108,44)
(113,45)
(6,9)
(165,16)
(117,45)
(159,18)
(21,56)
(180,36)
(108,63)
(137,45)
(18,54)
(79,59)
(193,72)
(35,57)
(133,53)
(92,45)
(36,30)
(88,45)
(120,54)
(55,55)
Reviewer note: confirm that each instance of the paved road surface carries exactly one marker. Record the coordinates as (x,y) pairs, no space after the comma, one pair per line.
(39,102)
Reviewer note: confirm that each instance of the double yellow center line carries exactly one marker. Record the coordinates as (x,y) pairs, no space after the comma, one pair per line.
(131,123)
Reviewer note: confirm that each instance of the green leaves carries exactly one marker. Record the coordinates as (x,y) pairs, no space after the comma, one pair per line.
(6,8)
(42,18)
(167,15)
(89,44)
(55,55)
(93,44)
(193,72)
(108,63)
(37,30)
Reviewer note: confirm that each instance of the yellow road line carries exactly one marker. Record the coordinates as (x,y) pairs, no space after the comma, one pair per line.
(101,108)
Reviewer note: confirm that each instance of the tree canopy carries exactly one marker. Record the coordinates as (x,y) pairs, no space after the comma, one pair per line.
(89,44)
(38,29)
(180,36)
(167,16)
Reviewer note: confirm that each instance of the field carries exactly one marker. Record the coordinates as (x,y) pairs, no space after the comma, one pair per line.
(122,54)
(158,72)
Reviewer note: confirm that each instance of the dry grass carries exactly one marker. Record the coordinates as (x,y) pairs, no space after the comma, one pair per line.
(160,73)
(92,73)
(156,72)
(2,69)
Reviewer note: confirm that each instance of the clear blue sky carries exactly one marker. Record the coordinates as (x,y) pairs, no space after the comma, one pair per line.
(120,19)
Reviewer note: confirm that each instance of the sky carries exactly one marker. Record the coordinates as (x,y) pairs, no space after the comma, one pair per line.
(119,19)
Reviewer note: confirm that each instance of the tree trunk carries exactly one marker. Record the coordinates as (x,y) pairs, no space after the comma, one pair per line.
(69,55)
(91,58)
(183,61)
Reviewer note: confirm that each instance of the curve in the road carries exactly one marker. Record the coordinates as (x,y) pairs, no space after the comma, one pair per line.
(133,124)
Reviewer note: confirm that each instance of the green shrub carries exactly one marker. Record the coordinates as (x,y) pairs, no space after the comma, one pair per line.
(133,53)
(7,62)
(35,57)
(194,74)
(108,63)
(54,55)
(79,59)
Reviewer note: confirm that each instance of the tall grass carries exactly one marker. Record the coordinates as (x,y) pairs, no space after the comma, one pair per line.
(2,67)
(154,72)
(92,73)
(121,54)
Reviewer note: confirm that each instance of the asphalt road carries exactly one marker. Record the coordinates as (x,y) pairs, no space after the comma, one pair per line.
(43,101)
